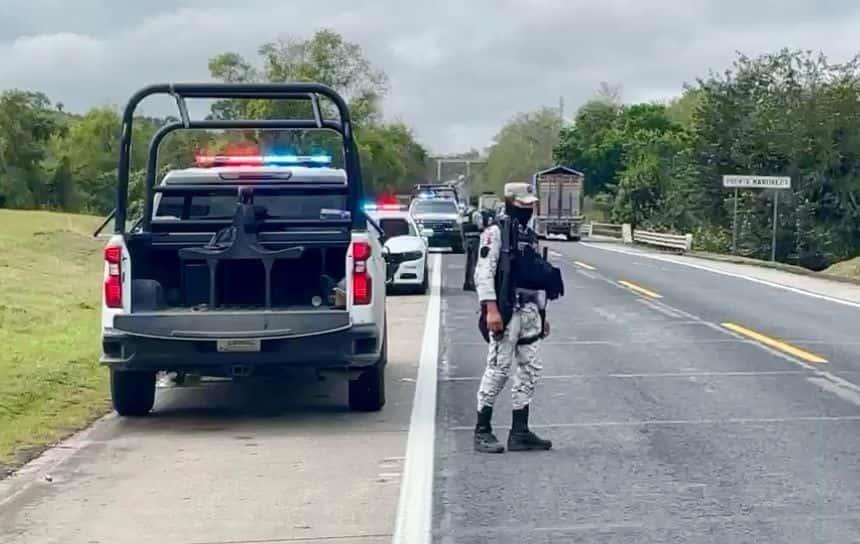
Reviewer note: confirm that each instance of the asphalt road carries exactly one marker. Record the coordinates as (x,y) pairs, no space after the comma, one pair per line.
(688,401)
(684,405)
(225,463)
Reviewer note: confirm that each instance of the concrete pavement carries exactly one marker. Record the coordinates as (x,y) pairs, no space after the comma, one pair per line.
(277,462)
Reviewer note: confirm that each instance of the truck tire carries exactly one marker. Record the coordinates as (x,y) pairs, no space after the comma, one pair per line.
(367,393)
(132,393)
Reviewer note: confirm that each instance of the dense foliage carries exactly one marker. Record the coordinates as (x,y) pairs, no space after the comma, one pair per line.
(53,160)
(790,113)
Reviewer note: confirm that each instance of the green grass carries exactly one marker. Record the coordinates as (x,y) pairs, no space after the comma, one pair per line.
(50,279)
(848,269)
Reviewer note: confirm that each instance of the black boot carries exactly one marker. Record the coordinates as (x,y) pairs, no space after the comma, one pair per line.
(485,440)
(521,438)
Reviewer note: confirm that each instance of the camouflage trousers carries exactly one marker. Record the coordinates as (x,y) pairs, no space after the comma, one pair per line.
(503,353)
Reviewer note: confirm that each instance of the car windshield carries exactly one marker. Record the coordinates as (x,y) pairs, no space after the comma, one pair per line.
(434,206)
(396,226)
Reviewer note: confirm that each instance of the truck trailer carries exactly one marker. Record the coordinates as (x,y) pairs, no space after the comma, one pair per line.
(560,193)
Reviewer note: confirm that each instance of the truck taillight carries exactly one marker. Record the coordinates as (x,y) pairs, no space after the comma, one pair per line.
(362,287)
(113,281)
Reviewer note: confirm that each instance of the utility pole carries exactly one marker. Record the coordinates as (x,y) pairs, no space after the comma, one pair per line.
(561,108)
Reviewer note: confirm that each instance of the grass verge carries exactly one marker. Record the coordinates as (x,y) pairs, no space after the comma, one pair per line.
(847,269)
(50,280)
(794,269)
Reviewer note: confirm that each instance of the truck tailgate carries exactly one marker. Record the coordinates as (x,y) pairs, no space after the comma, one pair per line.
(213,325)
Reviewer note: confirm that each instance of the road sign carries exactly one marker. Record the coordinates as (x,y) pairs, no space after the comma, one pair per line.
(757,182)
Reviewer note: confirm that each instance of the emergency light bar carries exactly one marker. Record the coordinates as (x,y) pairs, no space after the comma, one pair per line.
(207,161)
(387,207)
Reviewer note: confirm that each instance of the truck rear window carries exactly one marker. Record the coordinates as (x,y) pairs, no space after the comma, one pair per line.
(223,207)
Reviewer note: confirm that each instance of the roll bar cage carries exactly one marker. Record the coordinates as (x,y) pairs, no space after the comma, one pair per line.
(273,91)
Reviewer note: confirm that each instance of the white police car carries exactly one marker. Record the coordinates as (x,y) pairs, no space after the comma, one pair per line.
(407,247)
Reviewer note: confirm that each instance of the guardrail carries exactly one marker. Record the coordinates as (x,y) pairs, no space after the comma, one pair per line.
(683,242)
(605,229)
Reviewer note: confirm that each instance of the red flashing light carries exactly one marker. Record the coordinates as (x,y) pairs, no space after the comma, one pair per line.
(240,150)
(387,200)
(208,161)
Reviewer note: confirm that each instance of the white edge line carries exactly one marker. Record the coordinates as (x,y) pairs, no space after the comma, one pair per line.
(725,273)
(415,507)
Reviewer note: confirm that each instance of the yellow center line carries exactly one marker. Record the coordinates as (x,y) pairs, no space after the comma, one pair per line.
(776,344)
(583,265)
(638,289)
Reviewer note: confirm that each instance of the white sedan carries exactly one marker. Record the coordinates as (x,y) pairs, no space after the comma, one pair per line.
(406,246)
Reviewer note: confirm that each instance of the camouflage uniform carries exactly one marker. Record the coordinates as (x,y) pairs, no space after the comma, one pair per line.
(525,323)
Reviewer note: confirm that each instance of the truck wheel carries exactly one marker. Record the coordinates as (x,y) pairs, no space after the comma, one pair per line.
(133,393)
(367,393)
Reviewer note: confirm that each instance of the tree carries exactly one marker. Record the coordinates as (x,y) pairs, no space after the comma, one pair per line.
(324,58)
(522,147)
(592,145)
(26,125)
(391,158)
(90,151)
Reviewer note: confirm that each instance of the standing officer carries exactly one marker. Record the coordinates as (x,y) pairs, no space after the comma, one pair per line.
(513,284)
(472,232)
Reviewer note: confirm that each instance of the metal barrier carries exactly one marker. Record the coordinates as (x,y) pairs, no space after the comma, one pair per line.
(605,229)
(684,242)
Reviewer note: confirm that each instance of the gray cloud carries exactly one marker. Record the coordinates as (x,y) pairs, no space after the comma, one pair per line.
(458,69)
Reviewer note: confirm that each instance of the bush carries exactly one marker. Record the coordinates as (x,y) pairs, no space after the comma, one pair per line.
(712,238)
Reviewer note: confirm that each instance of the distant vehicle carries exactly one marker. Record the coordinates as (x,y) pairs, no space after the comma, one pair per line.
(441,220)
(559,207)
(245,265)
(407,248)
(488,201)
(439,191)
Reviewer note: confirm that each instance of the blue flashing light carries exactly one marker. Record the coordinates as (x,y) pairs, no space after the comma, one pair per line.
(287,160)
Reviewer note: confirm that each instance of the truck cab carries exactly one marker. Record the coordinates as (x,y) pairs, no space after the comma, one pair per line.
(245,265)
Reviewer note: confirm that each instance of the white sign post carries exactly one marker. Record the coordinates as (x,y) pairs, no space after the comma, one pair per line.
(756,182)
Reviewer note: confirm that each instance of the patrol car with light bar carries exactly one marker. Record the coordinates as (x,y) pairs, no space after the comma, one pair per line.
(245,266)
(406,243)
(441,220)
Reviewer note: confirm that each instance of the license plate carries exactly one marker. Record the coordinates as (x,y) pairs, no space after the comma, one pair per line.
(239,344)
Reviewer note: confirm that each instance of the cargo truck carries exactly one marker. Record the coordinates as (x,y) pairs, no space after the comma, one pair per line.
(559,207)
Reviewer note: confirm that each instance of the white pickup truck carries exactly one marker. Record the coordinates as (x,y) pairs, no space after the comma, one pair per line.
(245,266)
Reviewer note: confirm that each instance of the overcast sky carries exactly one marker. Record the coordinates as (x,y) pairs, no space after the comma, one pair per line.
(458,69)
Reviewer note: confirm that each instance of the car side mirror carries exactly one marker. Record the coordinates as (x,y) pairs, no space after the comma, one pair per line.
(426,233)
